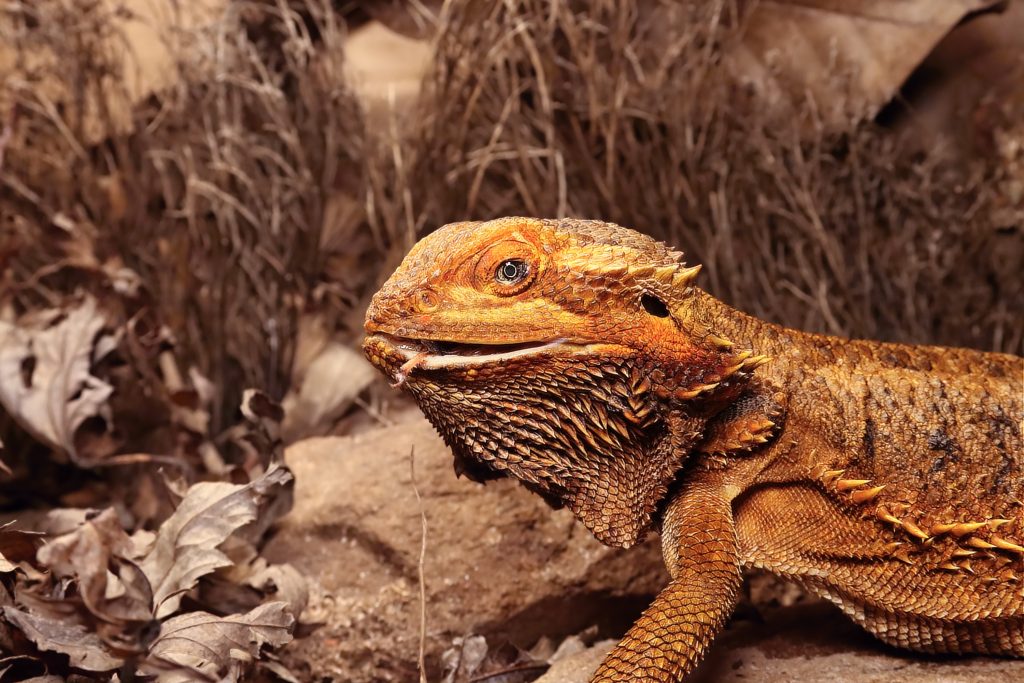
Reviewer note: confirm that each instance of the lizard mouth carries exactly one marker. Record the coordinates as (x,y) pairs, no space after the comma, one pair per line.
(442,354)
(398,356)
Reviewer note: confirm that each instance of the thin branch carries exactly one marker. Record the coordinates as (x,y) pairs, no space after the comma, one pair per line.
(419,568)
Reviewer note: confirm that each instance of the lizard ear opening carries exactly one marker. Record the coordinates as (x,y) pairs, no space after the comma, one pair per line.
(654,305)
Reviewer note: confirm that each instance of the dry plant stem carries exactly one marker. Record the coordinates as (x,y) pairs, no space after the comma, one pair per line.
(419,567)
(373,412)
(6,133)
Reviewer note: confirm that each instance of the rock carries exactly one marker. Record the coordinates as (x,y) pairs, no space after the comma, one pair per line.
(499,562)
(386,69)
(578,667)
(812,643)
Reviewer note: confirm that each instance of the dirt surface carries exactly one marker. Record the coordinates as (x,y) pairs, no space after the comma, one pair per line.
(502,565)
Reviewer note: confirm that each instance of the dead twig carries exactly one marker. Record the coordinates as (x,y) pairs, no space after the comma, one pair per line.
(419,567)
(7,133)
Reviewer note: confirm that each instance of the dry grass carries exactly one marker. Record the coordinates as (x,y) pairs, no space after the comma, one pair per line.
(223,195)
(605,110)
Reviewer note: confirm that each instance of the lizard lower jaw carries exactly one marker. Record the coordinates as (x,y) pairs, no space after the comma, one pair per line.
(441,355)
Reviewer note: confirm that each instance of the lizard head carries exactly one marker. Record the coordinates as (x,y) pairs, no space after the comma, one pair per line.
(560,352)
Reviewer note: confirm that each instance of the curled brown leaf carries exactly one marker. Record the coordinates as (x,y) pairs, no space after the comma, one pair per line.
(16,546)
(850,57)
(88,554)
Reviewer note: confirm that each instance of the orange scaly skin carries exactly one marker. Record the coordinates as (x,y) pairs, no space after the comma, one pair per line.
(578,357)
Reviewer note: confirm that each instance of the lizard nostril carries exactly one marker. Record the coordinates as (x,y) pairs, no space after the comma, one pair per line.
(374,318)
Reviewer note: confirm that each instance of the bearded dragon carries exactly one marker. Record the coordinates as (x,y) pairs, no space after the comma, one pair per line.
(580,358)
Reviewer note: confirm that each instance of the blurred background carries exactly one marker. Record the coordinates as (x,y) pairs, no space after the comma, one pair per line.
(199,197)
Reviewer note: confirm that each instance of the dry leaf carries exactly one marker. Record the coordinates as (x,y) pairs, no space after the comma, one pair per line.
(222,595)
(251,581)
(86,554)
(465,658)
(95,568)
(332,382)
(60,521)
(262,412)
(203,646)
(84,649)
(285,583)
(186,549)
(45,379)
(16,546)
(850,56)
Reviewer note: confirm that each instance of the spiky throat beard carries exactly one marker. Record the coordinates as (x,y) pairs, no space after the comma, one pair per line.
(575,423)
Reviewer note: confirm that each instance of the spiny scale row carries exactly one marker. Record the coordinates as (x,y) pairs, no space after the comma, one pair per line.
(741,362)
(858,492)
(857,489)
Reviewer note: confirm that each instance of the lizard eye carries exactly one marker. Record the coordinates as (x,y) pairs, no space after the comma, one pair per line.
(507,268)
(511,271)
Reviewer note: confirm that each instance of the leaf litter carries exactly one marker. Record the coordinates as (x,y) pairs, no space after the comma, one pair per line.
(92,595)
(120,597)
(120,583)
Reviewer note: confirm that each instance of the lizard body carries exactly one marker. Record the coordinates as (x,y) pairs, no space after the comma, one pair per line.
(578,357)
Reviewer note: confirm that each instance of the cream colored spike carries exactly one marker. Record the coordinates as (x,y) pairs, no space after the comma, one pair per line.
(684,276)
(665,274)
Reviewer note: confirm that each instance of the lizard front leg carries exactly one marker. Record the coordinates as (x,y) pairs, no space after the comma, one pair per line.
(670,637)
